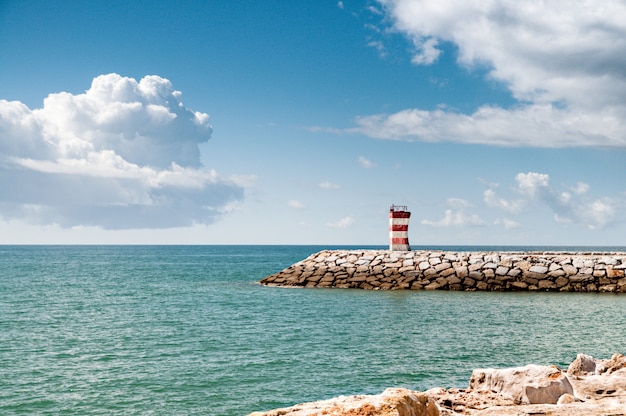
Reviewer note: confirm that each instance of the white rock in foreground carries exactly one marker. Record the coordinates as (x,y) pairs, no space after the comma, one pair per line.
(391,402)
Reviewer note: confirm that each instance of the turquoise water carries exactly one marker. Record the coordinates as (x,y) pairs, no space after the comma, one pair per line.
(136,330)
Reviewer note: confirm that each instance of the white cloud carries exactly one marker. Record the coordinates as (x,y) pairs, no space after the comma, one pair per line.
(508,224)
(581,188)
(340,5)
(329,185)
(122,155)
(342,223)
(492,200)
(599,213)
(427,52)
(379,47)
(458,203)
(456,217)
(295,204)
(533,184)
(245,181)
(562,61)
(374,10)
(535,189)
(541,50)
(365,163)
(536,125)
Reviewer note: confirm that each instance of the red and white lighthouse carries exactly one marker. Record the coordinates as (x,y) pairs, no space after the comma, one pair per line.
(399,228)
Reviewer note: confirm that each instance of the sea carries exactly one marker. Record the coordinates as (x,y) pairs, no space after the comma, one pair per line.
(187,330)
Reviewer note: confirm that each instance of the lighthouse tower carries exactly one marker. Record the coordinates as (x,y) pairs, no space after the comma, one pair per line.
(399,228)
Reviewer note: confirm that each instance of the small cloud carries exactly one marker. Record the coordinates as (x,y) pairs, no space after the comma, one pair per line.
(440,82)
(380,48)
(562,220)
(295,204)
(507,223)
(340,5)
(458,218)
(494,201)
(493,185)
(269,124)
(599,213)
(372,28)
(329,185)
(533,184)
(375,10)
(427,52)
(245,181)
(458,203)
(365,163)
(342,223)
(581,188)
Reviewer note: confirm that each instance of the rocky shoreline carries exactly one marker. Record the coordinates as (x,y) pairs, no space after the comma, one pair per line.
(463,271)
(589,387)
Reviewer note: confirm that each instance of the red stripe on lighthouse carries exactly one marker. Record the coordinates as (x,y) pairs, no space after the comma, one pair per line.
(403,240)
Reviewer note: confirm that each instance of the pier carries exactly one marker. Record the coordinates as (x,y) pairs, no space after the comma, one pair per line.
(461,271)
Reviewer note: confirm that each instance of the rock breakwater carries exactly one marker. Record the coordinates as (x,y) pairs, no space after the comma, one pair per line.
(447,270)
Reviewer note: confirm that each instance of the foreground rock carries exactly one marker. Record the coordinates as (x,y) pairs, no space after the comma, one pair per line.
(590,387)
(391,402)
(444,270)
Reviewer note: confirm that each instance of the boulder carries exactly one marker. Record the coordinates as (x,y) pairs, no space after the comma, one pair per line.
(583,365)
(532,384)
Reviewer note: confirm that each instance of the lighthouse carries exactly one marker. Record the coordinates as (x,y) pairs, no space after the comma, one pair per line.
(399,228)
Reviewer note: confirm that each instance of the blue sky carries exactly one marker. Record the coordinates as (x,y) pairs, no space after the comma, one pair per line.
(284,122)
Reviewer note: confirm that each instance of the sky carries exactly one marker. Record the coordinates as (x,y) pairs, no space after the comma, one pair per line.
(301,122)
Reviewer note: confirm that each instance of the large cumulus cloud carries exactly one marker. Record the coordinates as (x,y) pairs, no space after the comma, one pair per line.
(122,155)
(562,61)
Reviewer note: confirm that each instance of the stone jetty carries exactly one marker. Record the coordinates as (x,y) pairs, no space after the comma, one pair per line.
(462,271)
